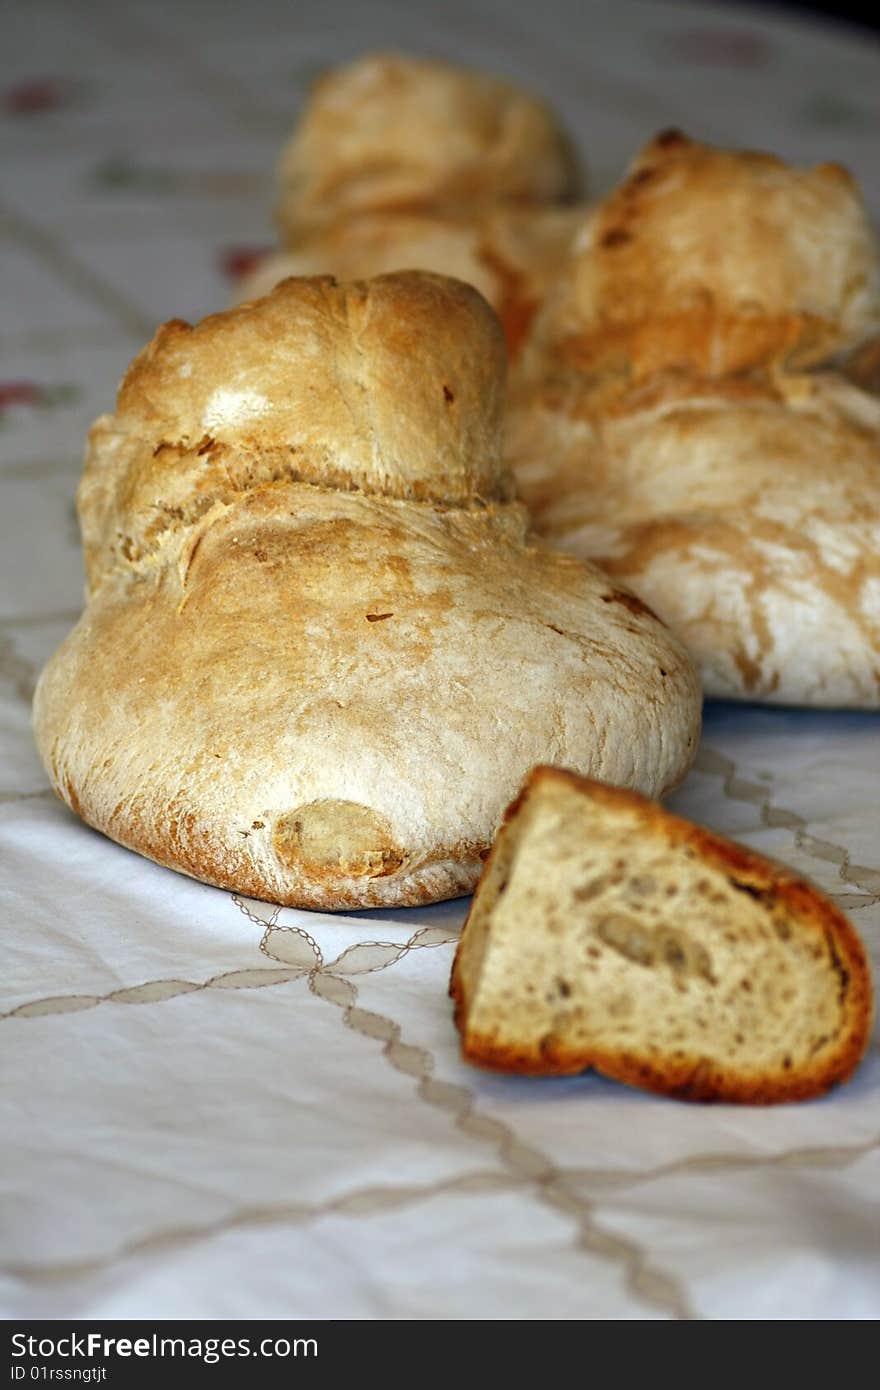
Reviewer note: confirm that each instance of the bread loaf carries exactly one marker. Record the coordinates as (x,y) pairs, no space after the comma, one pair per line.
(690,413)
(607,933)
(391,132)
(402,163)
(321,648)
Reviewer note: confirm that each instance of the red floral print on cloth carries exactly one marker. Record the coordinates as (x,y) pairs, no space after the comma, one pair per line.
(18,393)
(237,261)
(38,95)
(30,393)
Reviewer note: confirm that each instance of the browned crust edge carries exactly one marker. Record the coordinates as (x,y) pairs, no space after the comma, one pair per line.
(450,872)
(695,1078)
(690,340)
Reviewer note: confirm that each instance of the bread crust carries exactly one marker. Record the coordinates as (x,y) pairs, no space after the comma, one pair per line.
(321,646)
(747,514)
(714,262)
(390,133)
(404,163)
(693,1078)
(663,424)
(510,254)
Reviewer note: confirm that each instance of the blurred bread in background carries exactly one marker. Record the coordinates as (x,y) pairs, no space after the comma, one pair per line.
(410,163)
(390,133)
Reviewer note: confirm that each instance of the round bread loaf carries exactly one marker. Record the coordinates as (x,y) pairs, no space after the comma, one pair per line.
(321,648)
(659,426)
(405,163)
(392,133)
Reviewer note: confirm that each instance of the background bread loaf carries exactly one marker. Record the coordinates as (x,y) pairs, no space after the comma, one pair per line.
(694,410)
(404,163)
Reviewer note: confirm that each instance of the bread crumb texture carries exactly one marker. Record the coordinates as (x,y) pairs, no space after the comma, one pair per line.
(607,933)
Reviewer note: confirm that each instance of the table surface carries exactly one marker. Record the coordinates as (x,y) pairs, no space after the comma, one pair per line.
(217,1109)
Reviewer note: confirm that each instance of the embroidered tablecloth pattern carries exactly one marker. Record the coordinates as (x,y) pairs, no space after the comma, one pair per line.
(216,1109)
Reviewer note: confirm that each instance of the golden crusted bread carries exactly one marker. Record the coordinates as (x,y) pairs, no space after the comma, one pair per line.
(658,426)
(746,514)
(403,163)
(607,933)
(714,261)
(305,385)
(393,133)
(510,255)
(321,648)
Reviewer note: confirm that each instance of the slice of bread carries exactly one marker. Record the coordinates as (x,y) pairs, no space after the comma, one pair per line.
(607,933)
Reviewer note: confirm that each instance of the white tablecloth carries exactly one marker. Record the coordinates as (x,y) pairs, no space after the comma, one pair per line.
(213,1108)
